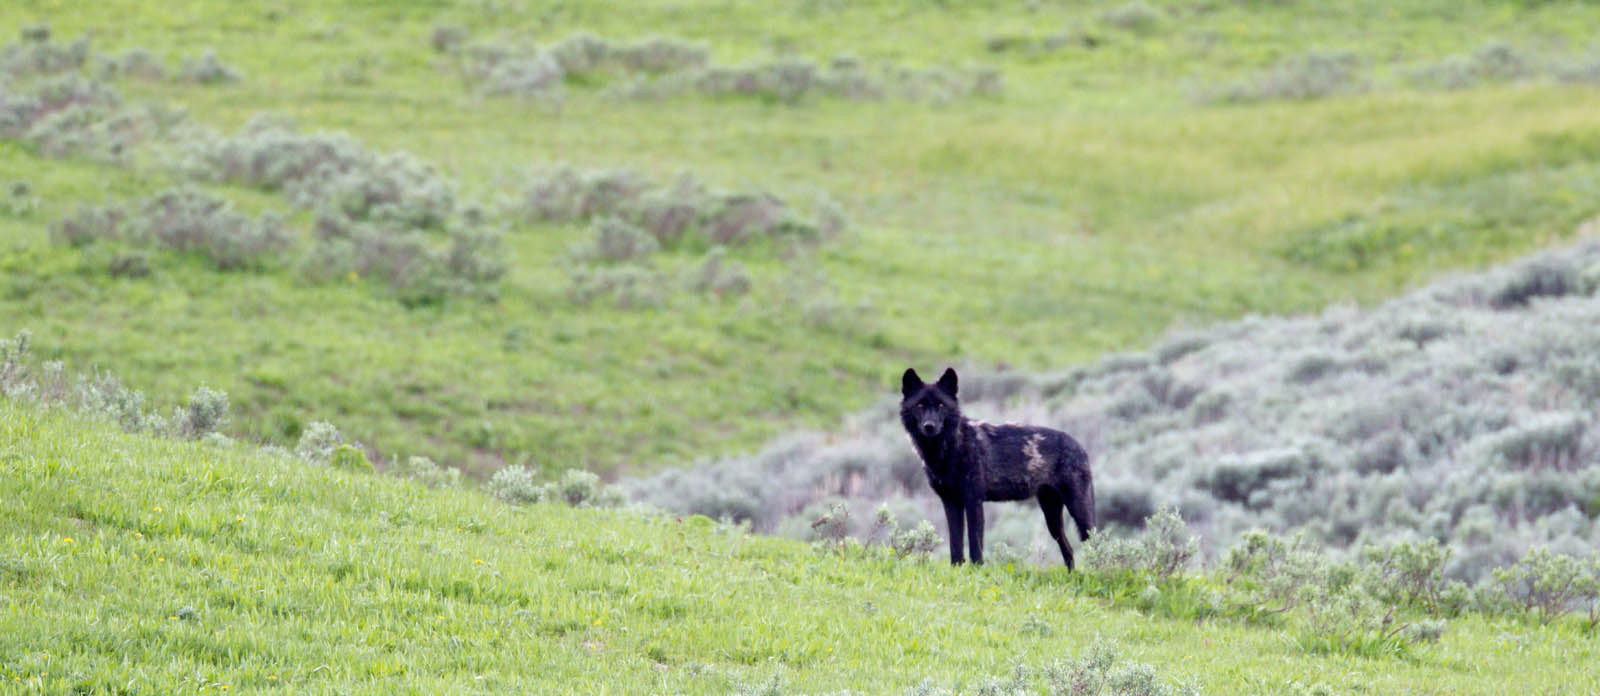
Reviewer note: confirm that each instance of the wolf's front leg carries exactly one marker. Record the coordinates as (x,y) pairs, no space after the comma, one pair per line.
(952,515)
(975,530)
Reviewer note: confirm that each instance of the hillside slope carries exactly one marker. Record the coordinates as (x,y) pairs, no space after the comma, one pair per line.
(1125,166)
(135,565)
(1463,412)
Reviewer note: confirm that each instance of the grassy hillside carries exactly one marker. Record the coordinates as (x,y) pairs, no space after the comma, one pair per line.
(1138,164)
(137,565)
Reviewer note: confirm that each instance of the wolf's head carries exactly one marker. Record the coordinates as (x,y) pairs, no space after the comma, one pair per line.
(929,410)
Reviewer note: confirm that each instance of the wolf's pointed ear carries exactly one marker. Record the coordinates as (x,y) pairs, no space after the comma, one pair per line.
(947,381)
(910,383)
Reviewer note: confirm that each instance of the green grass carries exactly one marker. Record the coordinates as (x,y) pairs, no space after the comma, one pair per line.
(130,564)
(1087,210)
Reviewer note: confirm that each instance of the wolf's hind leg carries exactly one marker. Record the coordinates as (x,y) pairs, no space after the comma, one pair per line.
(1050,505)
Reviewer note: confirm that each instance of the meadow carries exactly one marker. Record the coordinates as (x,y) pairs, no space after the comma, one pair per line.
(133,564)
(1139,165)
(326,330)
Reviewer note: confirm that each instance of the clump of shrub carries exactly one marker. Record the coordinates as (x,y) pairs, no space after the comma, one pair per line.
(661,67)
(792,80)
(326,170)
(1135,16)
(185,221)
(387,216)
(831,531)
(70,114)
(1553,440)
(520,485)
(102,396)
(542,73)
(136,63)
(318,442)
(1341,607)
(720,276)
(1100,670)
(632,218)
(1314,75)
(1553,277)
(1251,479)
(208,69)
(206,413)
(1549,585)
(37,54)
(1493,62)
(1582,70)
(446,38)
(670,212)
(426,472)
(628,286)
(420,269)
(1163,551)
(614,240)
(350,458)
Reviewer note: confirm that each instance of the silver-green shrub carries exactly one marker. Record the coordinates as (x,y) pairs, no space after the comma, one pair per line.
(517,485)
(184,221)
(1163,551)
(36,53)
(1313,75)
(206,413)
(208,69)
(1549,584)
(318,442)
(426,472)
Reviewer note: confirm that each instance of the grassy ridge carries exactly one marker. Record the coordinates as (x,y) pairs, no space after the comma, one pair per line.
(1090,207)
(134,564)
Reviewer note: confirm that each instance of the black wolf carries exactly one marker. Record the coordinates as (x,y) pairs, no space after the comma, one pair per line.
(968,462)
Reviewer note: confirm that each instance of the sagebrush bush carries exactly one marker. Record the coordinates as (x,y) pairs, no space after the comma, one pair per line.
(383,215)
(69,114)
(516,484)
(720,276)
(614,239)
(628,286)
(669,212)
(1549,585)
(519,485)
(185,221)
(1496,61)
(426,472)
(1134,16)
(1581,70)
(326,170)
(99,395)
(1410,573)
(1164,550)
(208,69)
(137,63)
(794,80)
(189,221)
(1309,76)
(206,413)
(37,54)
(350,458)
(446,38)
(318,442)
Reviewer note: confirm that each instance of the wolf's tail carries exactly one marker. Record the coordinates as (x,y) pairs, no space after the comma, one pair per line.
(1080,504)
